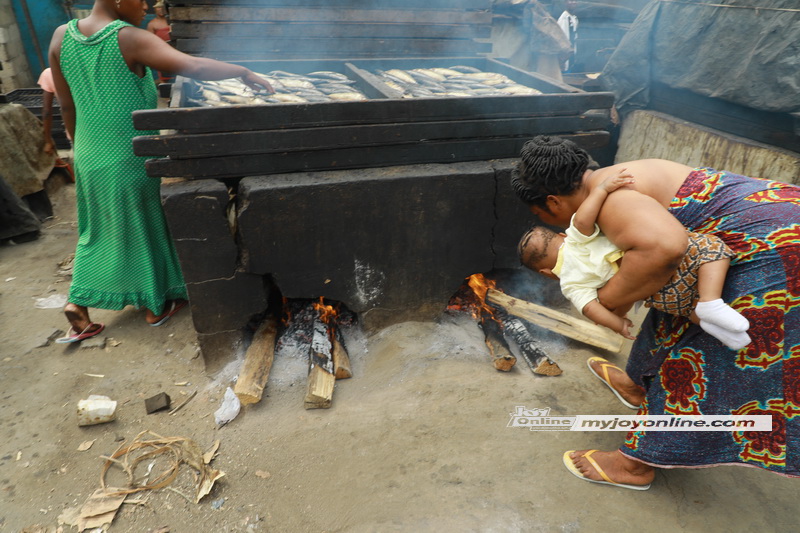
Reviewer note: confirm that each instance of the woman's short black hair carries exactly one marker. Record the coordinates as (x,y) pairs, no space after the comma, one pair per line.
(549,165)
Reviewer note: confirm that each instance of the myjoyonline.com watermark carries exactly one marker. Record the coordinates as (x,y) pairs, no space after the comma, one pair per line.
(540,420)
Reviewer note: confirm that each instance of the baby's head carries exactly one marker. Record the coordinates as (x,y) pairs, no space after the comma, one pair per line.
(538,250)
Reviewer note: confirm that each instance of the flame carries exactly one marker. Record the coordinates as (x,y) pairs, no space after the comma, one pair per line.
(327,313)
(476,304)
(287,314)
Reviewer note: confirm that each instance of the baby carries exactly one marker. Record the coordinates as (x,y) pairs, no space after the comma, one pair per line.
(583,260)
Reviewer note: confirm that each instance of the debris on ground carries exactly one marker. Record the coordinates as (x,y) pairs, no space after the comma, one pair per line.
(229,409)
(96,409)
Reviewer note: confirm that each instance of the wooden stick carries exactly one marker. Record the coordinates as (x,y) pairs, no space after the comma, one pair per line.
(574,328)
(257,363)
(321,378)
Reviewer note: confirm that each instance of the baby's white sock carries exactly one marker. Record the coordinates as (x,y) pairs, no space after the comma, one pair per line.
(735,340)
(721,314)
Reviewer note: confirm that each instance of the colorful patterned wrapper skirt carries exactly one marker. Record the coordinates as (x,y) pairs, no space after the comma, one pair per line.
(688,372)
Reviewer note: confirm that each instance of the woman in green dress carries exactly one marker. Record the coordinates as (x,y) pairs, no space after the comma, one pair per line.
(101,69)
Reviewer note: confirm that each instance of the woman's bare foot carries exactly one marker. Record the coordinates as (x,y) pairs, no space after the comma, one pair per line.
(78,317)
(617,467)
(617,380)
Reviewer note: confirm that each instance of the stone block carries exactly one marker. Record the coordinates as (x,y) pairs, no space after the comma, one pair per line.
(394,238)
(220,348)
(513,217)
(196,212)
(226,303)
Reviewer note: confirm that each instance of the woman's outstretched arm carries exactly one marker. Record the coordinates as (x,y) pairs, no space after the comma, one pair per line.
(654,243)
(144,48)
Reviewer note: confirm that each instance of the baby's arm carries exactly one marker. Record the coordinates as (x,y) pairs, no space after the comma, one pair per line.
(598,314)
(586,216)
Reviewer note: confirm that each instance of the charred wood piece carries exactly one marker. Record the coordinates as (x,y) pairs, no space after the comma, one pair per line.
(502,358)
(539,362)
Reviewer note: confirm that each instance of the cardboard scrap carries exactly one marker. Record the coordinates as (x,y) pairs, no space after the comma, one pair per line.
(98,510)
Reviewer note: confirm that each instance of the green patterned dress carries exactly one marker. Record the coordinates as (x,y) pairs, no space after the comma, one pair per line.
(125,255)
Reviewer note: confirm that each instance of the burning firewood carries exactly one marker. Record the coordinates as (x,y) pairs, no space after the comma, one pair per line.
(257,364)
(322,369)
(539,362)
(574,328)
(502,358)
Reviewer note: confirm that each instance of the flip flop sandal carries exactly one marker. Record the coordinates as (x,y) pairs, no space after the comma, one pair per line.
(74,336)
(605,365)
(173,308)
(606,480)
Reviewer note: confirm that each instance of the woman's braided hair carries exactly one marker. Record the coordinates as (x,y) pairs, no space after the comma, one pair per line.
(549,165)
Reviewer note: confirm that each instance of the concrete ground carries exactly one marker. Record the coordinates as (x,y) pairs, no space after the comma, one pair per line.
(418,440)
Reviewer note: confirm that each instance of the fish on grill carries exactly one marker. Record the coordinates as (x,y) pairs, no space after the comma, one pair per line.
(290,88)
(457,81)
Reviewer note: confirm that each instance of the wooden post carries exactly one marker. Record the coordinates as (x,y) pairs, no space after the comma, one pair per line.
(257,363)
(321,378)
(574,328)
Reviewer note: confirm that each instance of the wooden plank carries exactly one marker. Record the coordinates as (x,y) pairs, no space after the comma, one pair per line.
(776,129)
(574,328)
(250,118)
(299,140)
(258,47)
(330,16)
(427,4)
(355,157)
(242,30)
(257,364)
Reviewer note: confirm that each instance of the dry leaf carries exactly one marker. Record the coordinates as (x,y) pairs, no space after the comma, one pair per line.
(262,474)
(85,445)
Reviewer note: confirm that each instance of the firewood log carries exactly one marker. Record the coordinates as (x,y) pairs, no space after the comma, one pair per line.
(539,362)
(257,363)
(321,378)
(502,358)
(341,361)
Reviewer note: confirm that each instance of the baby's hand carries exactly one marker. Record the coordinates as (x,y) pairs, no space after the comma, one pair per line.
(625,330)
(623,178)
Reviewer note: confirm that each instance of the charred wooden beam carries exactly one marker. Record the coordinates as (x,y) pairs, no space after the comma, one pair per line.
(574,328)
(321,378)
(539,362)
(257,364)
(502,358)
(355,157)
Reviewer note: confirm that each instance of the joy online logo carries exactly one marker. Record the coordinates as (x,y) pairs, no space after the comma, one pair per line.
(539,419)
